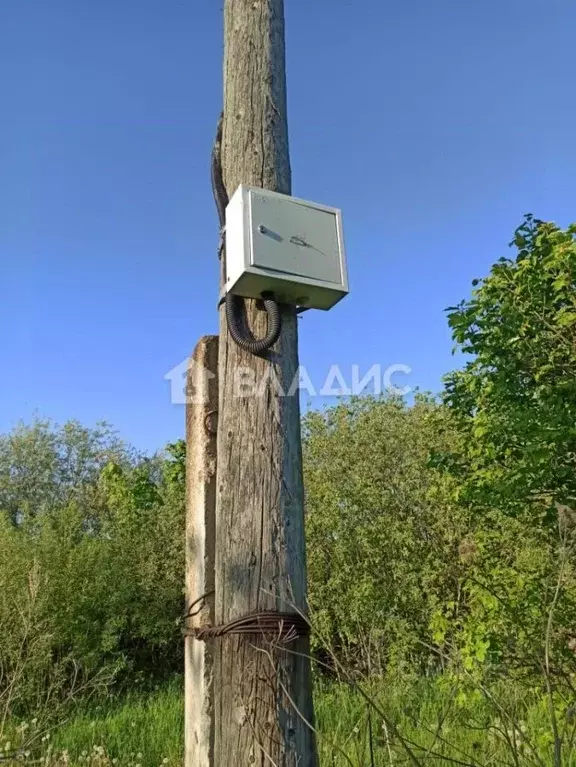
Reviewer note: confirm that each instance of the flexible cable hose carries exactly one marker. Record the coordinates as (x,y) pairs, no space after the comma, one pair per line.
(234,304)
(248,342)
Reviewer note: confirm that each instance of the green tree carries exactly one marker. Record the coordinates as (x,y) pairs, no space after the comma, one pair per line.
(100,530)
(43,467)
(382,537)
(514,407)
(515,400)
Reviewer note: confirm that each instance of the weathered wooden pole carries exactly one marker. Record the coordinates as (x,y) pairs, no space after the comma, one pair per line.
(263,691)
(201,421)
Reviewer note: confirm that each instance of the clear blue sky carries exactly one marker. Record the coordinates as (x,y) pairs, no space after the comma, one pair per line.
(434,125)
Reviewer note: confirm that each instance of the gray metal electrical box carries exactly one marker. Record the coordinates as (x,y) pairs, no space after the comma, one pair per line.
(285,246)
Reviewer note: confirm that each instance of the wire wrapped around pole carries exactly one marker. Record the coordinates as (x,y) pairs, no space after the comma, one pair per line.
(275,625)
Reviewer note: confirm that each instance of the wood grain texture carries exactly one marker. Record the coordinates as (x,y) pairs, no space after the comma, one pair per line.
(263,700)
(201,420)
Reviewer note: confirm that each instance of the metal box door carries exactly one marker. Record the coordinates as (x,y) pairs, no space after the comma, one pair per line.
(294,238)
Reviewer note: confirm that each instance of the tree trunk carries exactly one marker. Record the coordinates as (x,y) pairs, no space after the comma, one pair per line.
(263,696)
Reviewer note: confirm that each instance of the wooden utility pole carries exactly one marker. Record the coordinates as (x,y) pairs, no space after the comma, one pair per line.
(201,423)
(263,711)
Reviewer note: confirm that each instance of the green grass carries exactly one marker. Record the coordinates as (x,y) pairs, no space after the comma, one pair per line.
(420,721)
(143,729)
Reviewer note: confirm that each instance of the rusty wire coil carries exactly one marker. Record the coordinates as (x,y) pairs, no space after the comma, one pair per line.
(275,625)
